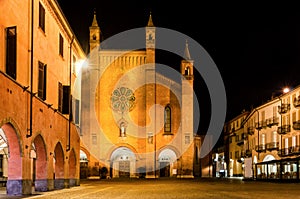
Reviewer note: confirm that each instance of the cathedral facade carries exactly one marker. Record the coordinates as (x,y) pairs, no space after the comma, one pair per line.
(135,121)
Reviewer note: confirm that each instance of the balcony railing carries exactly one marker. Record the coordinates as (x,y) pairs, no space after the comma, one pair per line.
(260,148)
(295,150)
(240,142)
(259,125)
(284,152)
(272,146)
(284,108)
(296,102)
(296,125)
(272,121)
(284,129)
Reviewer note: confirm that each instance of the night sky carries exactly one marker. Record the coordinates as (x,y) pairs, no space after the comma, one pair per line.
(256,47)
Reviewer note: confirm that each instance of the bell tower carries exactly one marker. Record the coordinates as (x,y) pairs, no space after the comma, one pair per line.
(94,34)
(150,41)
(187,110)
(187,66)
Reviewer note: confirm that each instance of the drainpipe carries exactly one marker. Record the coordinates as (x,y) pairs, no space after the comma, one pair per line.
(70,97)
(31,73)
(155,127)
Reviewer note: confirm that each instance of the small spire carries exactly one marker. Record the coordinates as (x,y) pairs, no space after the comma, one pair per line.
(95,23)
(150,22)
(187,55)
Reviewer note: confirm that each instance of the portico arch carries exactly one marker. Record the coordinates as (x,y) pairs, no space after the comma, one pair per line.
(14,184)
(38,155)
(269,168)
(167,159)
(72,168)
(123,162)
(59,167)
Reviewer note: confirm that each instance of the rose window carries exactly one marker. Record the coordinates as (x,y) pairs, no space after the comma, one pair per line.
(122,100)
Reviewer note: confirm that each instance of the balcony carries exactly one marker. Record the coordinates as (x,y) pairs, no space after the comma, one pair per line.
(272,146)
(260,148)
(259,125)
(250,130)
(296,125)
(284,108)
(272,121)
(296,102)
(284,152)
(284,129)
(295,150)
(240,142)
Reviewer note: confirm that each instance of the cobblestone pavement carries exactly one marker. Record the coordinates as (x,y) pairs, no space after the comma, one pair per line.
(172,188)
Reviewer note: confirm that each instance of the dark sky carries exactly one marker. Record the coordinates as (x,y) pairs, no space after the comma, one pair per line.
(255,46)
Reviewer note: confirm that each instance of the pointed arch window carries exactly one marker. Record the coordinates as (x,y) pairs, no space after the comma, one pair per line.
(167,119)
(123,129)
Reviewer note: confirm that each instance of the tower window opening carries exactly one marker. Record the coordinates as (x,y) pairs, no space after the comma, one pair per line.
(187,71)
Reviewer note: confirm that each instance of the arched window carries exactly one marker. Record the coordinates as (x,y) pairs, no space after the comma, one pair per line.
(167,117)
(122,130)
(187,70)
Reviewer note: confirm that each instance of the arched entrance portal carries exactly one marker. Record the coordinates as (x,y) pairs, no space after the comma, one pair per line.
(167,163)
(270,168)
(123,163)
(83,165)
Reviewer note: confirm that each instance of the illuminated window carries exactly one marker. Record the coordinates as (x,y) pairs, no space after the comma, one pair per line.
(61,45)
(42,80)
(74,64)
(11,51)
(167,117)
(42,17)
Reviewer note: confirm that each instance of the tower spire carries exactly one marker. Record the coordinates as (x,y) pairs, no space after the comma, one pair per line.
(150,22)
(95,33)
(187,55)
(95,23)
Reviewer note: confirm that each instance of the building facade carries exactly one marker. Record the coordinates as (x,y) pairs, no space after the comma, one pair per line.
(274,141)
(269,147)
(39,115)
(234,150)
(136,121)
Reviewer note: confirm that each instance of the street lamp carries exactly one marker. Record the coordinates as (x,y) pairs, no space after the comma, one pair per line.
(286,90)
